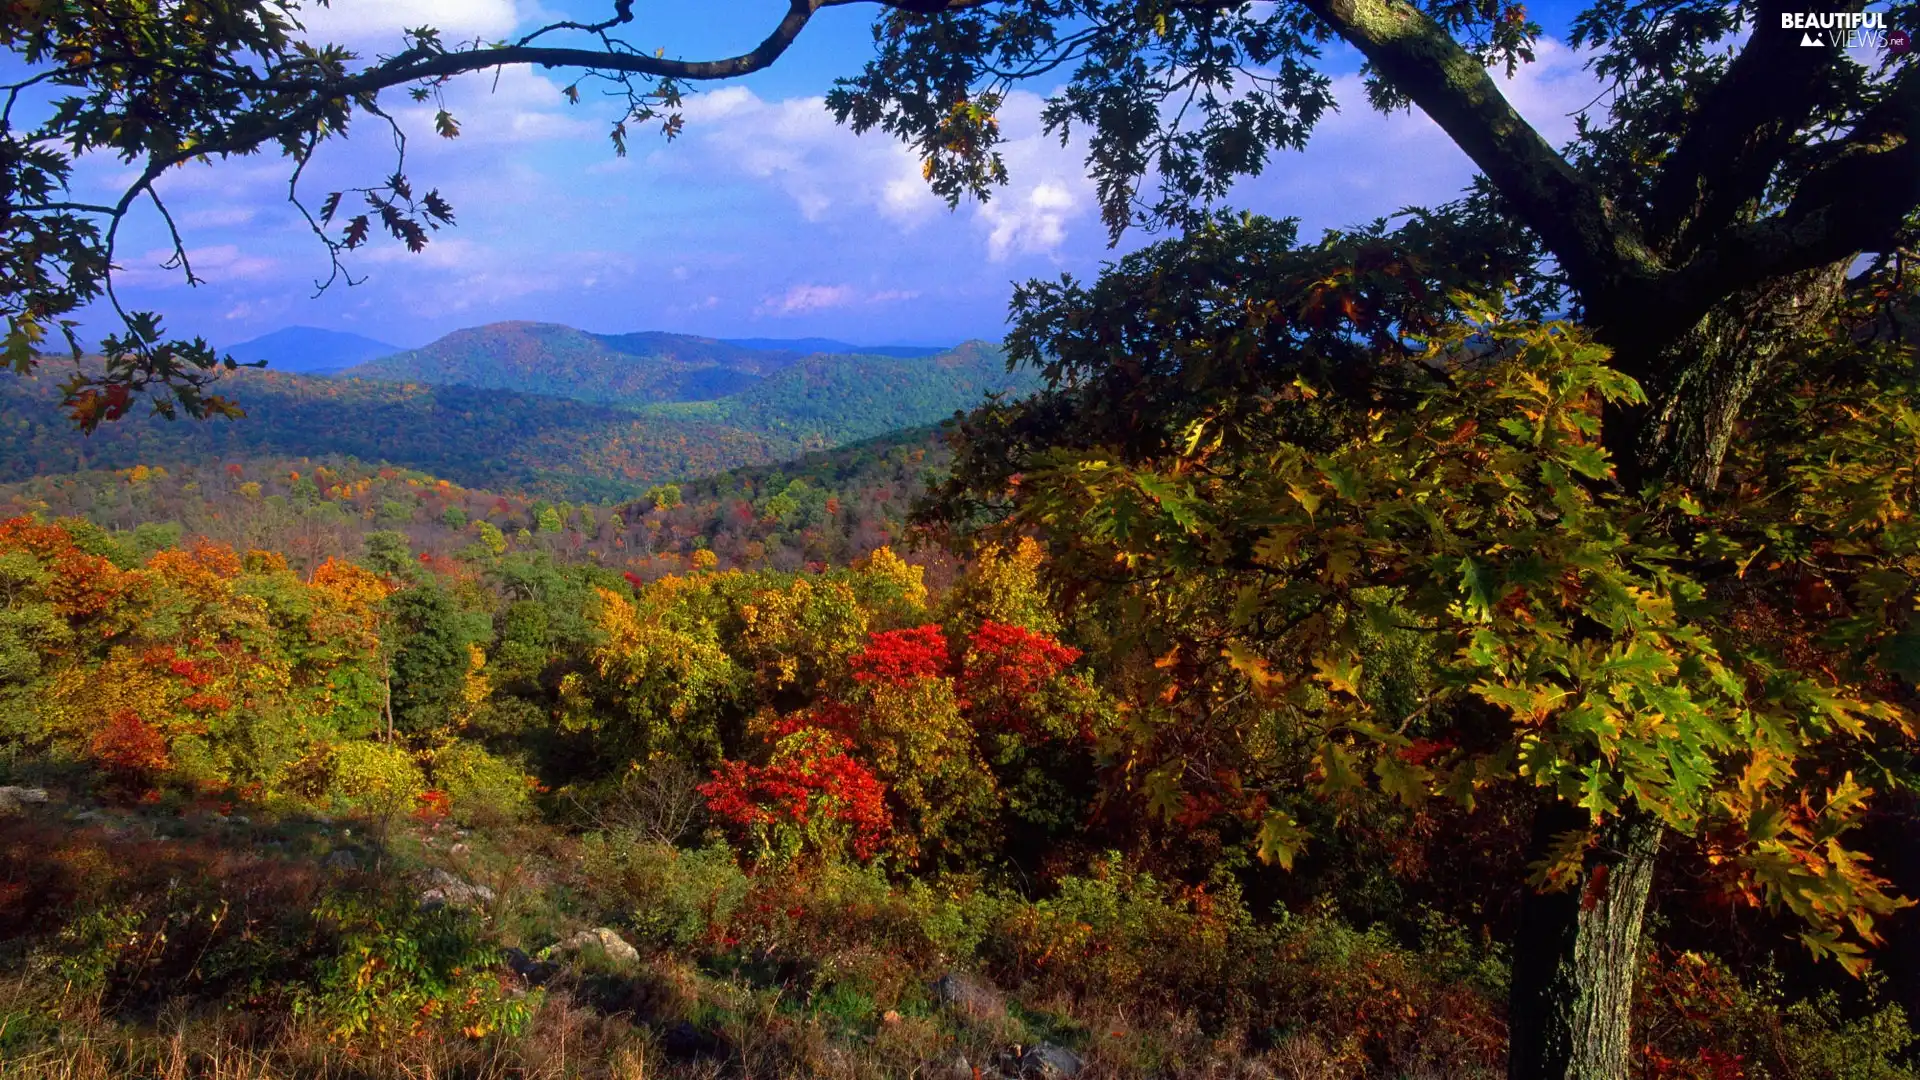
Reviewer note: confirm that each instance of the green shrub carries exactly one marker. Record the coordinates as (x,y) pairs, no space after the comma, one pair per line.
(482,789)
(378,779)
(398,971)
(678,898)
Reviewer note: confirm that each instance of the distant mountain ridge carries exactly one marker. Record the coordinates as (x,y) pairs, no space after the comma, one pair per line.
(809,346)
(644,368)
(518,441)
(310,350)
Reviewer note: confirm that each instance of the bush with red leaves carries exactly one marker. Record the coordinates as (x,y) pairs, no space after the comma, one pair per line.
(811,795)
(1004,667)
(898,657)
(130,748)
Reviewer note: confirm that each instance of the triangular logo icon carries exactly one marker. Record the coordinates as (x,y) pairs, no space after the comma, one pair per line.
(1807,42)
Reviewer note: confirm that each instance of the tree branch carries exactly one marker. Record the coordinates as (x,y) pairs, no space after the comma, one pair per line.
(1858,201)
(1604,258)
(1740,134)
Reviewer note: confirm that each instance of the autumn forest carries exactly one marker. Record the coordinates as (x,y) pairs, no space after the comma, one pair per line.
(1482,641)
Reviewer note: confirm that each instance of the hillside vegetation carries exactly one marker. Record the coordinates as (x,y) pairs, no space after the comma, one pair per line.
(494,438)
(546,358)
(512,813)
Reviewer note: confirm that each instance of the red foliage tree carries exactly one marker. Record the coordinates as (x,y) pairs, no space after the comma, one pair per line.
(130,749)
(1003,667)
(812,792)
(898,657)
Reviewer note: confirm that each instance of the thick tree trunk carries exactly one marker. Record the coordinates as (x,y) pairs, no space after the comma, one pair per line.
(1698,383)
(1577,955)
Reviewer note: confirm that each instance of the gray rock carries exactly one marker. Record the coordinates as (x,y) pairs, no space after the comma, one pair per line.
(535,972)
(13,799)
(601,938)
(969,995)
(341,860)
(445,889)
(1050,1062)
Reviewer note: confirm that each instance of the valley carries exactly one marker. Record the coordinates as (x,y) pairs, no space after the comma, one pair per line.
(466,411)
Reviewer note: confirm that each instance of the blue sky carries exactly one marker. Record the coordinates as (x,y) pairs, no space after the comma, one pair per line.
(763,219)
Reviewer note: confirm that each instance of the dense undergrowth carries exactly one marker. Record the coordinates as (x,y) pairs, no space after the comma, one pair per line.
(173,939)
(333,770)
(332,821)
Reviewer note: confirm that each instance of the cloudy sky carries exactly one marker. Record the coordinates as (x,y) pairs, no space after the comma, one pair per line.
(763,219)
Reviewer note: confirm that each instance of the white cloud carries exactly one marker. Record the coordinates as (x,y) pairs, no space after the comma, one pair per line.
(381,22)
(807,299)
(1031,224)
(795,146)
(219,264)
(832,175)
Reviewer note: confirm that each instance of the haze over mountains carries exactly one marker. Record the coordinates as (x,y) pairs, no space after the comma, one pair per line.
(537,408)
(685,366)
(617,369)
(310,350)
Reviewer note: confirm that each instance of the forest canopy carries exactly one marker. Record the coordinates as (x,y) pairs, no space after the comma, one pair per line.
(1580,508)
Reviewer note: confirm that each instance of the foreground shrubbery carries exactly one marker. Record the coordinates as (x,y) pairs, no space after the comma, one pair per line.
(175,941)
(493,814)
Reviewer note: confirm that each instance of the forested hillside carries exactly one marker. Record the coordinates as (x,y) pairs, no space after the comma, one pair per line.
(543,358)
(822,509)
(501,439)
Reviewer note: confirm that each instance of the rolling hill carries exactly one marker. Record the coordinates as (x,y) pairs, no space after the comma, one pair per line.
(506,439)
(611,369)
(809,346)
(546,358)
(310,350)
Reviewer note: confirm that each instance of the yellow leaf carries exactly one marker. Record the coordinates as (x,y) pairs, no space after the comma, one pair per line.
(1340,673)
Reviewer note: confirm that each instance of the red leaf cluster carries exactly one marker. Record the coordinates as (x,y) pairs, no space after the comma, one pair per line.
(131,747)
(433,806)
(898,657)
(816,782)
(1004,666)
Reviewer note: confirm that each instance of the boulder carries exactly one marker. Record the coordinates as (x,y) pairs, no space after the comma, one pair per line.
(601,938)
(969,995)
(534,972)
(14,799)
(443,889)
(1050,1062)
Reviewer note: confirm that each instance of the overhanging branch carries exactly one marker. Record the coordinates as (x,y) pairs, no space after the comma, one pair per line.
(1856,202)
(1603,256)
(1741,132)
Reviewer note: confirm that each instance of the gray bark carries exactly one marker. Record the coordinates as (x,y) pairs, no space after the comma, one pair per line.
(1577,957)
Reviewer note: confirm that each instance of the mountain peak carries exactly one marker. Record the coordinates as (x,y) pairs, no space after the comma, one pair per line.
(310,349)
